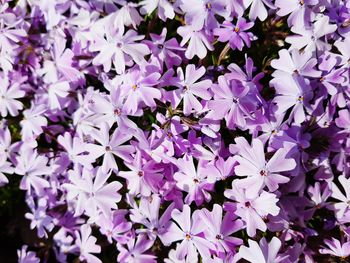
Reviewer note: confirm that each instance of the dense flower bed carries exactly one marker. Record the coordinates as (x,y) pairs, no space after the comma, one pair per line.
(177,131)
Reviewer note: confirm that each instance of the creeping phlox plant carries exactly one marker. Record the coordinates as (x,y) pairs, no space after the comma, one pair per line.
(177,131)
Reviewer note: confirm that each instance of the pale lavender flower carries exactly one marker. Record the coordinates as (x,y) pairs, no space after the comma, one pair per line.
(134,253)
(144,178)
(90,192)
(138,90)
(197,182)
(220,229)
(25,256)
(164,8)
(117,47)
(252,209)
(230,102)
(311,39)
(188,230)
(9,93)
(191,88)
(341,207)
(198,41)
(263,252)
(147,214)
(32,167)
(201,13)
(110,146)
(257,8)
(86,243)
(335,248)
(252,163)
(39,218)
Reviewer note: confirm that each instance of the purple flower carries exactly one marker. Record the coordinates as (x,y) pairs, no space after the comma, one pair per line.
(201,13)
(230,102)
(292,92)
(310,39)
(235,34)
(191,88)
(147,214)
(342,207)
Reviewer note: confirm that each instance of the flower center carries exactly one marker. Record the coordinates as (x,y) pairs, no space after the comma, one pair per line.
(195,180)
(263,173)
(108,148)
(218,237)
(140,173)
(301,98)
(302,2)
(208,6)
(188,236)
(134,87)
(118,112)
(247,204)
(237,29)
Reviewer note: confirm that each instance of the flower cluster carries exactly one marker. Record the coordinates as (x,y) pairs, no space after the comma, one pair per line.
(178,131)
